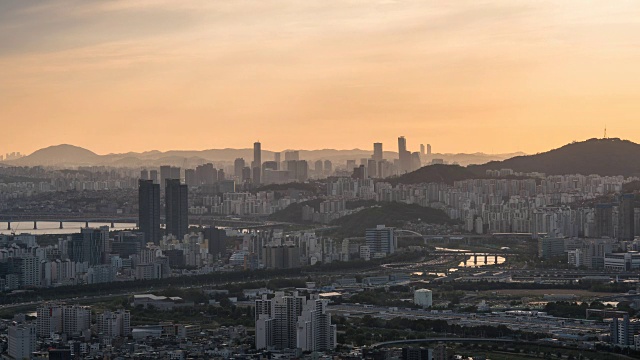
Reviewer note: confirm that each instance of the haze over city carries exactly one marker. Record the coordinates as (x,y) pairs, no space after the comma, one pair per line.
(319,179)
(464,76)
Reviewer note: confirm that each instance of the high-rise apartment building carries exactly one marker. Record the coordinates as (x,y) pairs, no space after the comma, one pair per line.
(144,174)
(22,341)
(176,208)
(328,167)
(114,324)
(49,320)
(293,322)
(149,210)
(381,240)
(626,218)
(75,319)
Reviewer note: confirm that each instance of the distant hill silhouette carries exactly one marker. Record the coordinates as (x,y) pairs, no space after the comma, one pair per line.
(606,157)
(438,173)
(59,154)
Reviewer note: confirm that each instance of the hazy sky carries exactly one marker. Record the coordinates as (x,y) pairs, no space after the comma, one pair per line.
(492,76)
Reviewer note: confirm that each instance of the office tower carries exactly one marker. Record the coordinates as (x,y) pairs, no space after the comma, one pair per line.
(372,168)
(422,149)
(176,208)
(153,176)
(604,220)
(315,331)
(291,155)
(190,177)
(626,218)
(377,151)
(22,341)
(415,161)
(216,240)
(144,174)
(404,156)
(114,324)
(238,165)
(89,245)
(246,174)
(256,176)
(221,175)
(165,173)
(381,240)
(428,149)
(49,320)
(149,210)
(257,155)
(319,167)
(276,158)
(328,167)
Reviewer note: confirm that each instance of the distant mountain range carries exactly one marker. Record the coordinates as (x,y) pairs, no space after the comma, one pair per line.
(605,157)
(72,156)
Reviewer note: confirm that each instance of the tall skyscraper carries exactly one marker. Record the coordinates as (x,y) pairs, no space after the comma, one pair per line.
(176,208)
(428,149)
(175,173)
(257,154)
(149,210)
(404,156)
(377,151)
(422,149)
(319,167)
(144,174)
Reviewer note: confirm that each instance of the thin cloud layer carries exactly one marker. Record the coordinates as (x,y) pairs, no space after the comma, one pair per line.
(463,76)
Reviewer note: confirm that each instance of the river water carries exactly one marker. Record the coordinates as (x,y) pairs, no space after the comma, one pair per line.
(53,227)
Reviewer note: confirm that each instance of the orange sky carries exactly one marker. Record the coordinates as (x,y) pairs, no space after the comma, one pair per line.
(465,76)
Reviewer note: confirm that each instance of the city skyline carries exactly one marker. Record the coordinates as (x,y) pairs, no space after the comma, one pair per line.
(464,77)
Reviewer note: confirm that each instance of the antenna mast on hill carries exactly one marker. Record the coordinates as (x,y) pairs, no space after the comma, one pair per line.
(605,131)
